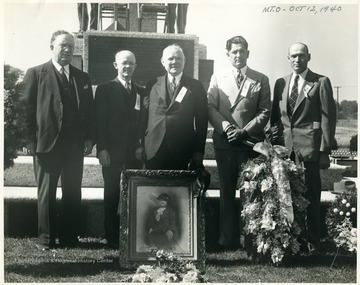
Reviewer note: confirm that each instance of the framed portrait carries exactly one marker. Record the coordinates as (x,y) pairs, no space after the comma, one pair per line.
(160,210)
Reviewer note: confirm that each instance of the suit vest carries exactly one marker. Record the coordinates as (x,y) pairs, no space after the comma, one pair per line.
(70,131)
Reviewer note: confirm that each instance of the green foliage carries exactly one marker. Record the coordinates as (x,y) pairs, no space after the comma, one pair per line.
(353,143)
(347,110)
(13,115)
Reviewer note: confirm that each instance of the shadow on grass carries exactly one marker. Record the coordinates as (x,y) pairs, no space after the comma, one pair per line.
(240,258)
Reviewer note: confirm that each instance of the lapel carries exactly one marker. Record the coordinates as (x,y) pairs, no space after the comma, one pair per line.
(285,94)
(50,79)
(230,86)
(177,90)
(72,81)
(245,88)
(120,92)
(160,89)
(308,84)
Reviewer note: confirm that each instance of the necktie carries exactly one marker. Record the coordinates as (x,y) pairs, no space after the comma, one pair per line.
(128,87)
(294,94)
(239,78)
(173,85)
(63,76)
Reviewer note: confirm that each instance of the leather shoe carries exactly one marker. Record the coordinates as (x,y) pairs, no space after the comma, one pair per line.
(312,250)
(43,247)
(113,245)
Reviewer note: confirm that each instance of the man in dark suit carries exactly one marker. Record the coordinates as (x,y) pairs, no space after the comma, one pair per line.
(177,117)
(60,131)
(305,108)
(239,108)
(119,104)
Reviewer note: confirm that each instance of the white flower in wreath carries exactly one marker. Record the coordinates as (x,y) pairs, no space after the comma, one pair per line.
(258,168)
(246,186)
(277,255)
(266,184)
(252,227)
(353,239)
(260,247)
(191,277)
(267,222)
(141,278)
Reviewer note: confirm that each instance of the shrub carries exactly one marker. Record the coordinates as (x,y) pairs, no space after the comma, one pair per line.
(353,143)
(13,114)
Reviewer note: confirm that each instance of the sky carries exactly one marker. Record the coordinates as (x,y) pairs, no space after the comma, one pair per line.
(331,34)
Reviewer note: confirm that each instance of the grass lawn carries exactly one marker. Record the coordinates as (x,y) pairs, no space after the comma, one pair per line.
(93,262)
(345,129)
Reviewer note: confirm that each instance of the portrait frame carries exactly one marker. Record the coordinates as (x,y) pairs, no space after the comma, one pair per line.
(141,191)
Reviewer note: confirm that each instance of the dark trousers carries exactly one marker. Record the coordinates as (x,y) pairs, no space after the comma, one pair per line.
(111,177)
(180,17)
(165,159)
(84,16)
(313,194)
(229,166)
(66,161)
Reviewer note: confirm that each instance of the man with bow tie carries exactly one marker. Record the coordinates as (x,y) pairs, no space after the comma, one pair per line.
(59,131)
(305,109)
(119,104)
(177,117)
(239,109)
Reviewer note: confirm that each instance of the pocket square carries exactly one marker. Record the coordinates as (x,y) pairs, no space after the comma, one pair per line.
(86,86)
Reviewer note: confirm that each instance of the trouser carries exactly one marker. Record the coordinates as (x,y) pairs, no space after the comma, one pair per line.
(229,166)
(84,16)
(111,177)
(313,194)
(165,159)
(180,18)
(67,162)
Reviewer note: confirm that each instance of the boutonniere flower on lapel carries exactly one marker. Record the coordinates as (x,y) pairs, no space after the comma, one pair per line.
(86,86)
(306,89)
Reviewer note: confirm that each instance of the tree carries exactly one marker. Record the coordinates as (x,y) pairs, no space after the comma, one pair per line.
(13,114)
(347,110)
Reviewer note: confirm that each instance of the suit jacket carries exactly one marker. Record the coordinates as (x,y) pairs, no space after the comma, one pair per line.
(311,128)
(44,111)
(247,107)
(118,119)
(183,123)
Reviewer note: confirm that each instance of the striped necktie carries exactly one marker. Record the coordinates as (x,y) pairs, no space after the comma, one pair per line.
(63,76)
(128,87)
(294,94)
(239,78)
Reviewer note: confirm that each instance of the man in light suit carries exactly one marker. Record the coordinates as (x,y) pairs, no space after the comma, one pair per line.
(239,108)
(59,131)
(119,104)
(305,109)
(177,117)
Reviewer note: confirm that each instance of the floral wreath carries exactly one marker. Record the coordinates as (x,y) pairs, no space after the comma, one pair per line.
(341,222)
(274,208)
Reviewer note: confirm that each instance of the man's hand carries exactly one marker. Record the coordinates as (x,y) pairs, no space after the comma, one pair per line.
(30,148)
(104,158)
(140,153)
(324,160)
(196,161)
(169,234)
(88,147)
(235,134)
